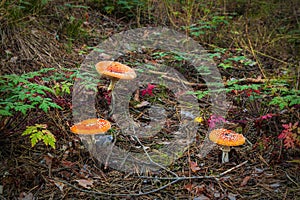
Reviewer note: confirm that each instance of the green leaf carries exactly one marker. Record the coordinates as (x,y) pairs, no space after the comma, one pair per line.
(5,113)
(17,79)
(23,108)
(39,132)
(225,66)
(35,100)
(54,105)
(295,100)
(49,138)
(199,94)
(237,58)
(212,55)
(278,101)
(44,105)
(22,95)
(35,138)
(45,70)
(66,87)
(30,130)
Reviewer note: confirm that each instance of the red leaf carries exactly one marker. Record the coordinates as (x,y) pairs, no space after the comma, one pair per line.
(282,135)
(289,141)
(148,90)
(267,116)
(287,126)
(256,91)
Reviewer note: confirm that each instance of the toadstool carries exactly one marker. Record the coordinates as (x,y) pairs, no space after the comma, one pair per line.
(115,71)
(91,127)
(226,138)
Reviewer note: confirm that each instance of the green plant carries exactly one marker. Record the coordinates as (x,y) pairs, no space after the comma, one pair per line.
(231,60)
(232,86)
(62,88)
(23,93)
(279,90)
(283,95)
(206,26)
(285,98)
(169,55)
(128,8)
(16,11)
(74,28)
(39,132)
(37,91)
(228,63)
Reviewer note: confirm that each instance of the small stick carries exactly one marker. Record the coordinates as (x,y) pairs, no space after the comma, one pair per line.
(291,179)
(233,168)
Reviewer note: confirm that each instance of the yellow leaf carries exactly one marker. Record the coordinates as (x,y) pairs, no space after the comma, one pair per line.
(199,119)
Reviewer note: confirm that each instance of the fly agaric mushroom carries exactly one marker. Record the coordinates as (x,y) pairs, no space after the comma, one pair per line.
(226,138)
(91,127)
(115,71)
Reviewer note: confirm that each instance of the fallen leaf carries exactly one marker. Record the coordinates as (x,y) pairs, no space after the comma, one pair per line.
(245,181)
(136,96)
(232,196)
(59,185)
(85,183)
(258,170)
(25,196)
(275,185)
(164,142)
(67,163)
(217,195)
(199,189)
(144,103)
(180,93)
(194,166)
(48,159)
(189,187)
(65,174)
(201,197)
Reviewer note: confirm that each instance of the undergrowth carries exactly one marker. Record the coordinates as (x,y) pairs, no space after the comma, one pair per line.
(38,91)
(241,37)
(254,44)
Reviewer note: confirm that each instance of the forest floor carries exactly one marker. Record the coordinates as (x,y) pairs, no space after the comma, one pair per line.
(262,168)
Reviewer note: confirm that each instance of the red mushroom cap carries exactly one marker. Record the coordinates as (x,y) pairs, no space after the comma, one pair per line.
(91,126)
(115,70)
(226,137)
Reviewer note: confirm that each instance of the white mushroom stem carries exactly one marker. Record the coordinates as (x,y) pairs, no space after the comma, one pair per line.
(112,83)
(93,139)
(90,141)
(225,153)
